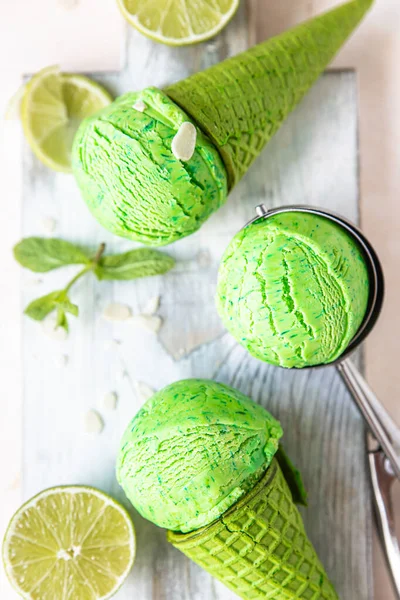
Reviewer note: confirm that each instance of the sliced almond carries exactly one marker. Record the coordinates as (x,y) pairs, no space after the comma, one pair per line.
(143,391)
(150,322)
(140,106)
(117,312)
(184,142)
(110,401)
(93,422)
(152,306)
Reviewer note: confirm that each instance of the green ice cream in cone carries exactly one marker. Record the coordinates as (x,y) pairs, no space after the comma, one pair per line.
(203,460)
(155,165)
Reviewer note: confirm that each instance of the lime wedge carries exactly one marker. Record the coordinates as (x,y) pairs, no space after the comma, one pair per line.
(52,107)
(69,542)
(178,22)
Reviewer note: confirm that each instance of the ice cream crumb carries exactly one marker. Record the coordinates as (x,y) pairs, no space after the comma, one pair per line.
(152,306)
(150,322)
(204,259)
(184,142)
(49,224)
(117,312)
(143,391)
(61,360)
(49,328)
(93,422)
(110,401)
(140,106)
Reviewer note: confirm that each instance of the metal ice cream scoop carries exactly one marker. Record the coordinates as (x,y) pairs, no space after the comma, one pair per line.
(383,440)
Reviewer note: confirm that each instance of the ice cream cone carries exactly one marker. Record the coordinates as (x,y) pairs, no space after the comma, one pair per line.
(259,548)
(241,102)
(128,159)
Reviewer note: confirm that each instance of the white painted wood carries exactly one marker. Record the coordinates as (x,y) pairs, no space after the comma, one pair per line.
(313,159)
(10,323)
(76,34)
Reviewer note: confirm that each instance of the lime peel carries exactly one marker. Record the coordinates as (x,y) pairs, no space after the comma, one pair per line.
(199,25)
(46,531)
(52,107)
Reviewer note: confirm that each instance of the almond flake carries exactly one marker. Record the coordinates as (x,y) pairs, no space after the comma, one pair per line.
(110,401)
(152,306)
(150,322)
(49,224)
(140,106)
(93,422)
(143,391)
(117,312)
(184,142)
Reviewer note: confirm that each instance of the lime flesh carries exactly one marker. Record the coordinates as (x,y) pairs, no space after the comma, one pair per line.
(178,22)
(69,543)
(53,105)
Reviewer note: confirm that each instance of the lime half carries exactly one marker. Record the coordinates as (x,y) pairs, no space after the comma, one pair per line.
(178,22)
(69,543)
(52,107)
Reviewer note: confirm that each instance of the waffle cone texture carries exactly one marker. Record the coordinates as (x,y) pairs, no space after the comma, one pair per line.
(259,548)
(241,102)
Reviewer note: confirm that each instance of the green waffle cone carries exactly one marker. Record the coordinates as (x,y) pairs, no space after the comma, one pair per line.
(241,102)
(259,548)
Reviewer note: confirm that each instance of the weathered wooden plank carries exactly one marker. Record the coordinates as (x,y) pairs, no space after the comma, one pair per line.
(313,160)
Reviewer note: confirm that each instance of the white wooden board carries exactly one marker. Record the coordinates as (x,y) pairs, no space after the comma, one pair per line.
(313,159)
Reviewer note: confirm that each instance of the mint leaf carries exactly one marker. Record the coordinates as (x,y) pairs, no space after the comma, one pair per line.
(68,307)
(44,254)
(292,476)
(61,320)
(142,262)
(41,307)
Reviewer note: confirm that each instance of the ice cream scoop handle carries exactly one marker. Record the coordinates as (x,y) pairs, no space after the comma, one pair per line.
(382,479)
(384,430)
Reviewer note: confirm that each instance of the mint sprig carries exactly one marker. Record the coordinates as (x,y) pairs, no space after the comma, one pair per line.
(143,262)
(45,254)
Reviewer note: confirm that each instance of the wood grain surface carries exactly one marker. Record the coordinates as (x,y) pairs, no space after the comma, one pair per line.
(313,159)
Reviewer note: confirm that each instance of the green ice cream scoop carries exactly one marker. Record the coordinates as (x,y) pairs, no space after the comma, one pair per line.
(293,289)
(192,451)
(132,181)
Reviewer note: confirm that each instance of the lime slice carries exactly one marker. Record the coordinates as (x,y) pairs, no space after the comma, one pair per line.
(71,542)
(178,22)
(53,106)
